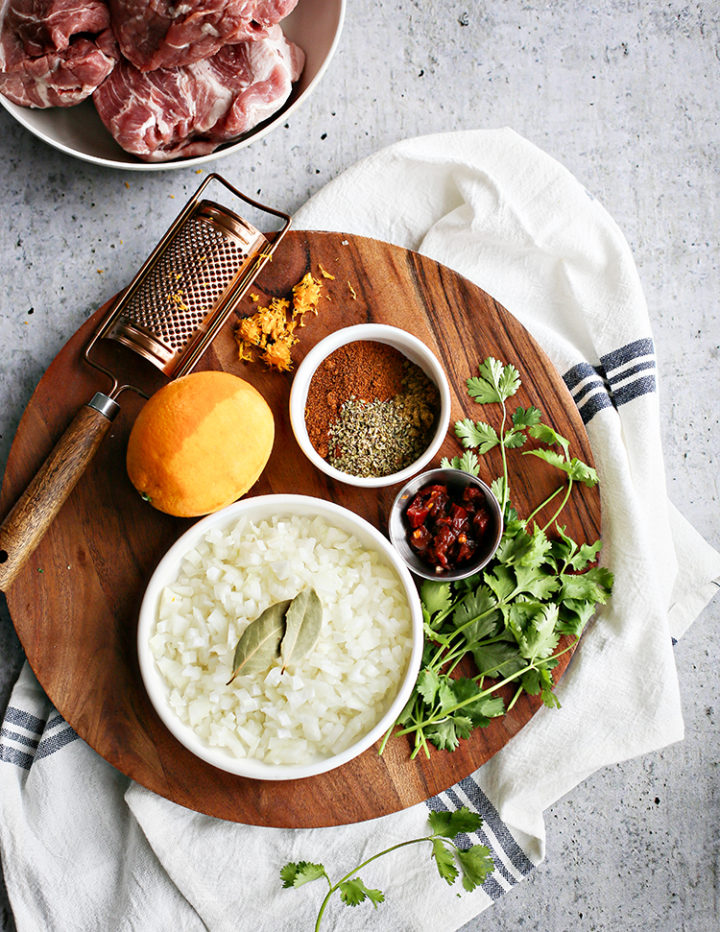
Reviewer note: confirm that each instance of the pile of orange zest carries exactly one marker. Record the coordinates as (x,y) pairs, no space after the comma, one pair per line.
(270,331)
(177,298)
(306,295)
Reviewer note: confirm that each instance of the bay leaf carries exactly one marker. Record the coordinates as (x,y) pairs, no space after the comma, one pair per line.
(303,621)
(259,644)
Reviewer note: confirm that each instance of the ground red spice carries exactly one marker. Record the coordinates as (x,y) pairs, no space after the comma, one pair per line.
(366,370)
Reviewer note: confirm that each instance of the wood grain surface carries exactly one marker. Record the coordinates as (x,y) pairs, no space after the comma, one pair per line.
(75,602)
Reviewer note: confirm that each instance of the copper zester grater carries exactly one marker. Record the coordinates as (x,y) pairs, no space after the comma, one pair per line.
(168,315)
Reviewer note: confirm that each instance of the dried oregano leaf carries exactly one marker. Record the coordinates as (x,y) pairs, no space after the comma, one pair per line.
(303,621)
(259,644)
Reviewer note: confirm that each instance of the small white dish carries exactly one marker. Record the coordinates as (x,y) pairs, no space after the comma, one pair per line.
(411,347)
(314,25)
(257,509)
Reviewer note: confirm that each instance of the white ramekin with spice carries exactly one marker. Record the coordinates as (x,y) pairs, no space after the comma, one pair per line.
(370,405)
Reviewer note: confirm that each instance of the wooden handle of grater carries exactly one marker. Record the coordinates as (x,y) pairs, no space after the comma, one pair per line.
(34,512)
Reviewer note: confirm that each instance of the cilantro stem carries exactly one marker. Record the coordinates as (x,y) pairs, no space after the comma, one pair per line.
(402,844)
(514,698)
(547,501)
(504,459)
(562,504)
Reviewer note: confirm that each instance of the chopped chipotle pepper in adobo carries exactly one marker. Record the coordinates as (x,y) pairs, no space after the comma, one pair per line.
(445,527)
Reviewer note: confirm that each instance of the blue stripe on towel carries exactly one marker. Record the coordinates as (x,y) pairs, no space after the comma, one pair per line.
(18,738)
(45,737)
(596,387)
(10,755)
(594,404)
(24,719)
(55,742)
(634,389)
(489,813)
(618,357)
(580,372)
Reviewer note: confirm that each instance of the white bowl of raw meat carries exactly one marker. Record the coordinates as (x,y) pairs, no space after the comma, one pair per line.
(146,87)
(280,637)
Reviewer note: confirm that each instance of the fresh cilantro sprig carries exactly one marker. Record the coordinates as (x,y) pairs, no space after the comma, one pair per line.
(510,617)
(451,860)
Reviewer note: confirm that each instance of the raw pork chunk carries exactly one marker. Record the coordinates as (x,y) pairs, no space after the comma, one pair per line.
(54,53)
(183,112)
(162,34)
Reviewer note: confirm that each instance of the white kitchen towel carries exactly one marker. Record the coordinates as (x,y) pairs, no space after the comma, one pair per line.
(83,848)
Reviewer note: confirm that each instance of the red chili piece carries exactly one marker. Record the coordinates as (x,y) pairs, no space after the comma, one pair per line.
(446,529)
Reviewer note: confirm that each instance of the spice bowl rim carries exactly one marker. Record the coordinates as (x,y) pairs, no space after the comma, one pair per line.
(397,530)
(259,507)
(413,349)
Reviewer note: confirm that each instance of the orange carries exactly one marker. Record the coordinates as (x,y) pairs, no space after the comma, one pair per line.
(200,443)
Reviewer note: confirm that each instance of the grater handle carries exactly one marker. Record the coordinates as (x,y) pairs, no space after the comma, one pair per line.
(34,512)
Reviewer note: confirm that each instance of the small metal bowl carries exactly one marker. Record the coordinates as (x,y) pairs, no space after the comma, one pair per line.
(455,480)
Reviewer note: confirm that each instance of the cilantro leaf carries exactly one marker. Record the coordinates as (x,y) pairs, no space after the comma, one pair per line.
(446,694)
(547,435)
(535,581)
(435,596)
(526,417)
(501,580)
(444,860)
(533,624)
(570,554)
(476,865)
(581,472)
(405,715)
(427,685)
(476,434)
(483,708)
(354,891)
(443,734)
(513,439)
(524,549)
(540,681)
(295,874)
(498,660)
(574,615)
(593,585)
(497,487)
(494,382)
(468,462)
(478,605)
(586,554)
(450,824)
(550,456)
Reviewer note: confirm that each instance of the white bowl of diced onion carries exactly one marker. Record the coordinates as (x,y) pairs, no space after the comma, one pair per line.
(312,715)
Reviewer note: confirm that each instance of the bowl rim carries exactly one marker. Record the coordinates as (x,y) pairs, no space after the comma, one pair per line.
(443,473)
(156,687)
(381,333)
(17,112)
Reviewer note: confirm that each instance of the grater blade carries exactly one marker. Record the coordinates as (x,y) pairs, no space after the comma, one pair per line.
(188,286)
(192,281)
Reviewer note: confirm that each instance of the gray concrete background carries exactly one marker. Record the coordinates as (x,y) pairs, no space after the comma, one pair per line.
(625,94)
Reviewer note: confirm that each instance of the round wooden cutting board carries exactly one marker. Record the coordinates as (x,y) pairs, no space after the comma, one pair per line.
(75,604)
